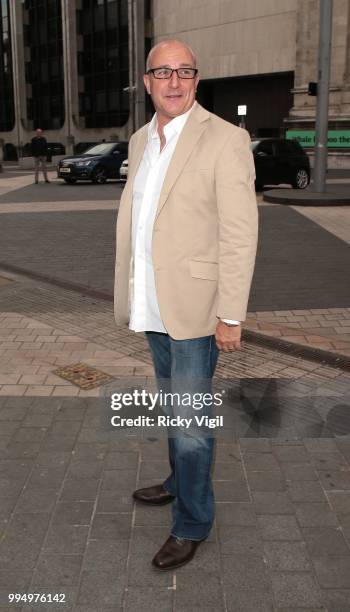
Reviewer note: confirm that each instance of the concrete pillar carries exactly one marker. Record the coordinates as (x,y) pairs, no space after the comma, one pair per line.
(345,104)
(70,69)
(136,90)
(304,107)
(18,65)
(303,113)
(139,42)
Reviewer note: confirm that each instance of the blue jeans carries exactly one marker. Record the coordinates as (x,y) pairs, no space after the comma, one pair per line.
(188,366)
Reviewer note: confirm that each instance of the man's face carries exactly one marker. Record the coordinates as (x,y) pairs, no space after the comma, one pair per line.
(174,96)
(39,132)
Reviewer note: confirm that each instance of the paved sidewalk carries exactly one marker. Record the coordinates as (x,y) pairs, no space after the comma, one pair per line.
(281,539)
(43,327)
(326,329)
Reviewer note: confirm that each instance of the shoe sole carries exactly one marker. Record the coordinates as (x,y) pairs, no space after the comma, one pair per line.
(147,503)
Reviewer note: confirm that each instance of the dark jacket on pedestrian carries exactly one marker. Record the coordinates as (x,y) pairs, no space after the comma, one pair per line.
(39,146)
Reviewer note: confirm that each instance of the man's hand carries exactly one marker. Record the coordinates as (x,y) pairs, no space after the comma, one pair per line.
(228,338)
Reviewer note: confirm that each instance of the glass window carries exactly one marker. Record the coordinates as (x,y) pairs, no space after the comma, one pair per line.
(103,62)
(45,70)
(7,111)
(101,101)
(265,147)
(99,18)
(112,11)
(4,8)
(100,149)
(113,100)
(44,73)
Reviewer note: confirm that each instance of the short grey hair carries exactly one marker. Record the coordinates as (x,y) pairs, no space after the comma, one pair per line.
(166,42)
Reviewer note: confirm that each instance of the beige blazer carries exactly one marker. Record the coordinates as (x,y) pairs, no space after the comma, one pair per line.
(205,230)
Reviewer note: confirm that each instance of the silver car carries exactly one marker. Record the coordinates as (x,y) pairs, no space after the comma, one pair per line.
(123,170)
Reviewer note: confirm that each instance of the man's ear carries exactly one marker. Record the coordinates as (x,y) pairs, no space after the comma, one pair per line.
(146,81)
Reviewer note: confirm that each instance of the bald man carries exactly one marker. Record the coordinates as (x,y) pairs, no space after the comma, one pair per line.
(186,245)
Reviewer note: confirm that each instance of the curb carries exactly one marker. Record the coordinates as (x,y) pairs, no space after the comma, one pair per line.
(296,197)
(336,360)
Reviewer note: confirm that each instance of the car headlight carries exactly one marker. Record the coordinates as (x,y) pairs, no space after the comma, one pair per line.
(84,163)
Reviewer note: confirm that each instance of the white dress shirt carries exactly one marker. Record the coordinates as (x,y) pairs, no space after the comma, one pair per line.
(148,182)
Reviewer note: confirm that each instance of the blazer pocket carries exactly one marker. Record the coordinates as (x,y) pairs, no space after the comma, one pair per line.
(207,270)
(193,172)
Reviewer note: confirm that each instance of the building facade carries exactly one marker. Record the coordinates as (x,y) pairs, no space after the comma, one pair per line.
(74,67)
(70,68)
(263,55)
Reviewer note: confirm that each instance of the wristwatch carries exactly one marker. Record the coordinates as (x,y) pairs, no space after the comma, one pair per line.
(230,324)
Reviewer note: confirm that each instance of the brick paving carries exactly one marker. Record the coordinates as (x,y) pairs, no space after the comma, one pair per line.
(281,539)
(323,328)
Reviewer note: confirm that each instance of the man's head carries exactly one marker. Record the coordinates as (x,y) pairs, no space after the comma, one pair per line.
(172,96)
(39,132)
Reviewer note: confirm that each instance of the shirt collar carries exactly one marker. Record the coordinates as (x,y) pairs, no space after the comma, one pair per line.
(176,125)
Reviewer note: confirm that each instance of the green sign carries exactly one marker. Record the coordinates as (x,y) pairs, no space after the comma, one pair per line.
(336,138)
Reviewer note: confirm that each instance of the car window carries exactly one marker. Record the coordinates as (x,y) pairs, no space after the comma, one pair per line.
(290,147)
(265,147)
(122,147)
(100,149)
(286,148)
(294,147)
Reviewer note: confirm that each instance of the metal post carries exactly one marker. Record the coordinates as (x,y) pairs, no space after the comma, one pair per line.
(324,61)
(131,87)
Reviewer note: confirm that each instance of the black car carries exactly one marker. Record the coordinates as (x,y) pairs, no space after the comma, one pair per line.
(280,161)
(96,164)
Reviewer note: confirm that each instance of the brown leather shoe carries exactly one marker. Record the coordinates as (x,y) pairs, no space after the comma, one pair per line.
(175,553)
(153,496)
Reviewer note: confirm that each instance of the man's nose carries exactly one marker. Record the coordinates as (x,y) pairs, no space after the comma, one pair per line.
(174,80)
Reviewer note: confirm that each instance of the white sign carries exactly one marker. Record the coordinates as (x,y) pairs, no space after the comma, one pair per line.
(242,110)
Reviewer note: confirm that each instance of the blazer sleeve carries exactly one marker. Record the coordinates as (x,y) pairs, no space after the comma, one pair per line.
(238,224)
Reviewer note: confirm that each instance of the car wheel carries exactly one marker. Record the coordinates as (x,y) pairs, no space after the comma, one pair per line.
(70,181)
(100,176)
(301,179)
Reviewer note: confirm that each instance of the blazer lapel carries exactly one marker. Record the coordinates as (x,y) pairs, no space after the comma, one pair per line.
(188,138)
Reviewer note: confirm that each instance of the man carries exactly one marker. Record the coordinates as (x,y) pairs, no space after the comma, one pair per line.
(39,152)
(186,244)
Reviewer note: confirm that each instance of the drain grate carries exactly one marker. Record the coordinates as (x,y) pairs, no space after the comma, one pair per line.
(83,376)
(311,353)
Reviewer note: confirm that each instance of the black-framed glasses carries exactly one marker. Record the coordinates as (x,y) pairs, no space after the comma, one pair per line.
(167,73)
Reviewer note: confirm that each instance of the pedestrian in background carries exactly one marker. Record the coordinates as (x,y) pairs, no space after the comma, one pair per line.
(39,152)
